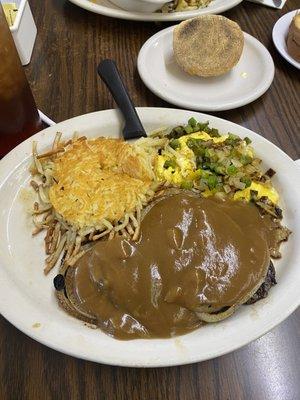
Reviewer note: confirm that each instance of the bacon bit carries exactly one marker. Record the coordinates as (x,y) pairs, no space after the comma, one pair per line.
(270,173)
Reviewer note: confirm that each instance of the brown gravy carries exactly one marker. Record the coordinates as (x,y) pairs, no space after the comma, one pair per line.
(191,252)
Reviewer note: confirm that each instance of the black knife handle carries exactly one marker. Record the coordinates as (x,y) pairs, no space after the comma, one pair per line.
(109,73)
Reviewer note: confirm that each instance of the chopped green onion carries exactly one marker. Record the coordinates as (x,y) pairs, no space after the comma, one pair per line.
(196,146)
(192,122)
(209,153)
(198,173)
(245,160)
(213,132)
(188,129)
(212,181)
(246,181)
(205,165)
(179,129)
(213,166)
(175,144)
(232,139)
(206,174)
(247,140)
(199,161)
(176,132)
(187,185)
(220,169)
(203,126)
(231,170)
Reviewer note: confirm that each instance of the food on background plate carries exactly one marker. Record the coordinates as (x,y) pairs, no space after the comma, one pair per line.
(184,5)
(209,45)
(151,213)
(177,5)
(293,39)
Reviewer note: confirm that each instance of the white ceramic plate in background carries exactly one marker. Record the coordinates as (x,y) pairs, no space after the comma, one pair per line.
(280,32)
(27,296)
(246,82)
(105,7)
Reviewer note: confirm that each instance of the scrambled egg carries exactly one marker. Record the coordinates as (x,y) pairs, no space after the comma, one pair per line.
(262,190)
(185,171)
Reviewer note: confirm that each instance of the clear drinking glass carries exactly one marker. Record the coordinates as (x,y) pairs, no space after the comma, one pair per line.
(19,116)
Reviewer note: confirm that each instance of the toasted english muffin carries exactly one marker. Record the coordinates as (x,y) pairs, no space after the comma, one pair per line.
(209,45)
(293,39)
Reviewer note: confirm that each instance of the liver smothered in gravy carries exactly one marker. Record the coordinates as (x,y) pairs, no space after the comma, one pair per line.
(193,253)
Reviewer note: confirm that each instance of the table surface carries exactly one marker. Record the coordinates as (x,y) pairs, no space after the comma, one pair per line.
(62,73)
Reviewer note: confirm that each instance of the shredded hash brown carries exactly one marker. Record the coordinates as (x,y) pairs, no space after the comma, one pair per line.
(97,180)
(88,189)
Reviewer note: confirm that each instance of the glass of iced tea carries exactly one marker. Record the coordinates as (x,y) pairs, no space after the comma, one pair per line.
(19,116)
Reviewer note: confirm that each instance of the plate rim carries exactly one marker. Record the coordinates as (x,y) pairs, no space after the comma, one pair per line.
(134,16)
(9,314)
(284,19)
(253,95)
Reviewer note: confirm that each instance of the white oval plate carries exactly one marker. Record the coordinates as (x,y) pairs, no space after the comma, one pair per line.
(247,81)
(105,7)
(27,297)
(280,32)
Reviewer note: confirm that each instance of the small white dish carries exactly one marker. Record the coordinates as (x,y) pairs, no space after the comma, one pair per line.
(246,82)
(280,32)
(140,5)
(105,7)
(27,296)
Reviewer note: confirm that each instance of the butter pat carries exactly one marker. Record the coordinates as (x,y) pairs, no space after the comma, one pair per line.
(10,11)
(22,27)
